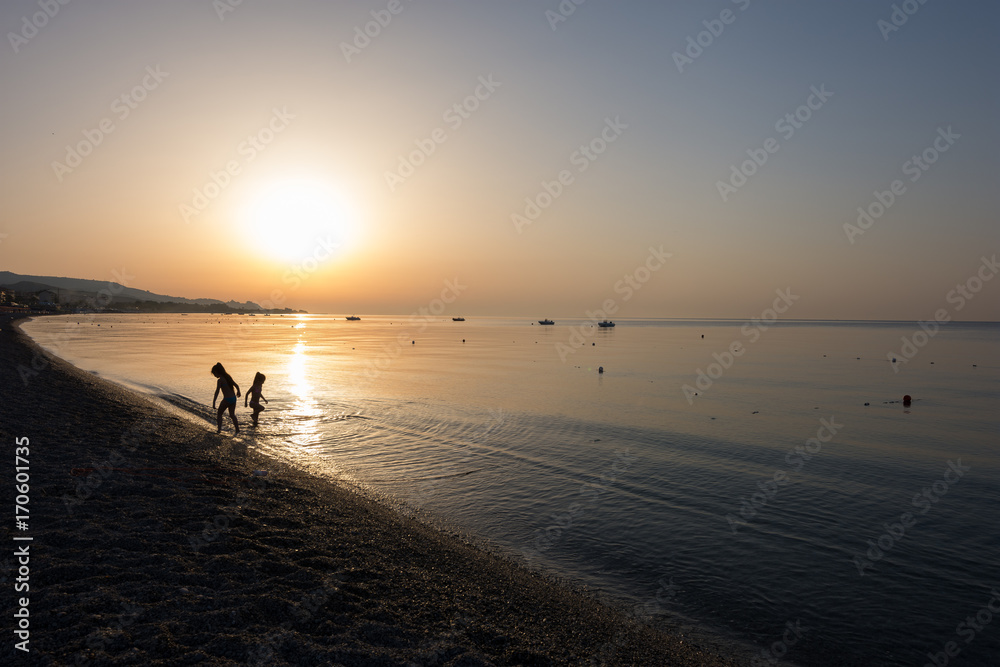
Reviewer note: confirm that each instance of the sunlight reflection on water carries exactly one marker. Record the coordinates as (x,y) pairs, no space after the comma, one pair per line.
(305,411)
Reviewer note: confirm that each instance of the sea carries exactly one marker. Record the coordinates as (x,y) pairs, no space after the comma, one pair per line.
(762,482)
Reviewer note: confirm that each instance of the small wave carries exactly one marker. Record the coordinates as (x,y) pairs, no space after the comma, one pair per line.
(389,480)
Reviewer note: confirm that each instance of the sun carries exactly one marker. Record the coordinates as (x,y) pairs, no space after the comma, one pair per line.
(297,219)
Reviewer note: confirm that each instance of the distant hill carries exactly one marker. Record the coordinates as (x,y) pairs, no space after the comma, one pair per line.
(79,289)
(26,286)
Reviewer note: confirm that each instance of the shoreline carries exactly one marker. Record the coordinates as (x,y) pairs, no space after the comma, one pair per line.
(155,542)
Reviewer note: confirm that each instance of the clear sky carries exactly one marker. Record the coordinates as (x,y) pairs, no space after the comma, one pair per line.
(258,150)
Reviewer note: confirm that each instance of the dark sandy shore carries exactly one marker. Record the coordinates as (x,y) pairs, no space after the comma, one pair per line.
(155,543)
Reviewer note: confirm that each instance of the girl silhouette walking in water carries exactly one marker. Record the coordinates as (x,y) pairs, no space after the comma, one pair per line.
(254,396)
(226,384)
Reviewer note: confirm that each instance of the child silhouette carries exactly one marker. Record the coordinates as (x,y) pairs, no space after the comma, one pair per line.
(254,396)
(226,384)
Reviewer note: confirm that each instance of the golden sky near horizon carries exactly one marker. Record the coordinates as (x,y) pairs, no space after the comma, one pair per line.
(270,150)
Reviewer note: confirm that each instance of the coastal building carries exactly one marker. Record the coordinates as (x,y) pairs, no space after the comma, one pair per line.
(47,297)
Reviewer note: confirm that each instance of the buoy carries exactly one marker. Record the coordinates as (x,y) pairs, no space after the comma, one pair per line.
(907,399)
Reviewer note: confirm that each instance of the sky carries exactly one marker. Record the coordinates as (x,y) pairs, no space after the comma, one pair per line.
(539,159)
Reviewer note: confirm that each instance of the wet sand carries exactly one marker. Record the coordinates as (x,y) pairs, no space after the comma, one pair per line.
(154,542)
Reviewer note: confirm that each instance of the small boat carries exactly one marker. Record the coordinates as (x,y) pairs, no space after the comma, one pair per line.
(353,318)
(605,324)
(458,319)
(546,322)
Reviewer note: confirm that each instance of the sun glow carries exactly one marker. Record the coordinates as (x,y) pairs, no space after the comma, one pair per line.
(295,220)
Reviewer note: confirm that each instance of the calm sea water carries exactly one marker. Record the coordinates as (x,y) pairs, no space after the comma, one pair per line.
(754,505)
